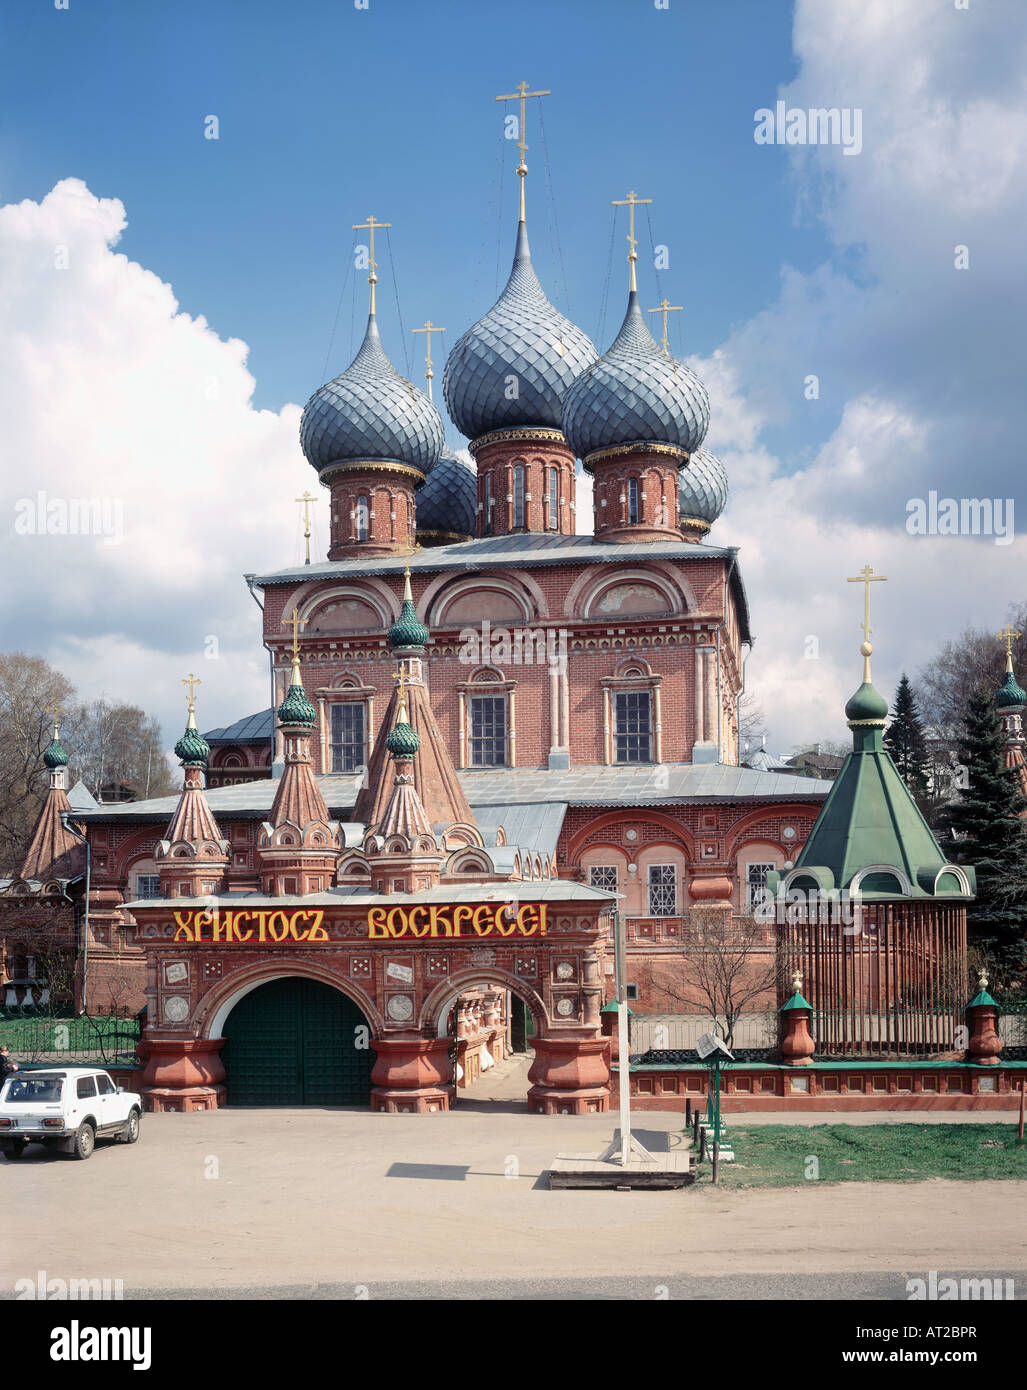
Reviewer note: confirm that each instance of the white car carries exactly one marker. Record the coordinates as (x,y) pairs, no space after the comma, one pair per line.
(65,1108)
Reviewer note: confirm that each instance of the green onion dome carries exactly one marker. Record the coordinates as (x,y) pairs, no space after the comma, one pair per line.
(192,749)
(296,708)
(54,755)
(867,706)
(408,630)
(1010,695)
(402,741)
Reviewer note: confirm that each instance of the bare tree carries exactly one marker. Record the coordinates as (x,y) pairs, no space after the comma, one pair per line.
(976,660)
(752,726)
(726,965)
(29,687)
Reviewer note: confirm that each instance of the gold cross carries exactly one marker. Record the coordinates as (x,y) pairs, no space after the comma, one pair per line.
(295,622)
(866,577)
(665,308)
(55,711)
(192,681)
(306,499)
(630,202)
(522,93)
(428,329)
(371,225)
(1009,636)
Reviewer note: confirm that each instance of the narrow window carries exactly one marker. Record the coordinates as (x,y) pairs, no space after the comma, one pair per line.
(347,735)
(487,500)
(488,730)
(363,518)
(632,726)
(632,501)
(518,494)
(554,500)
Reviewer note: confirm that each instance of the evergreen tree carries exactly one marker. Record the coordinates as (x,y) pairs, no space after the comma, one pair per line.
(904,740)
(987,821)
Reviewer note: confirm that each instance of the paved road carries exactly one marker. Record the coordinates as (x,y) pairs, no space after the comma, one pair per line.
(286,1199)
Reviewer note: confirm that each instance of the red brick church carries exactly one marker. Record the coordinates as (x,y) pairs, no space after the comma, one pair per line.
(479,750)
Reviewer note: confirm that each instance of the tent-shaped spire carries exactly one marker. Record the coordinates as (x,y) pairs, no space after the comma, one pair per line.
(54,852)
(193,855)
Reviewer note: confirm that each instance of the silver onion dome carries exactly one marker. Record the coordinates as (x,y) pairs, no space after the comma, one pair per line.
(512,367)
(371,412)
(635,394)
(447,499)
(702,487)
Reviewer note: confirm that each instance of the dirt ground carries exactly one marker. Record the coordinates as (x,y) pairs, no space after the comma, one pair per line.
(275,1197)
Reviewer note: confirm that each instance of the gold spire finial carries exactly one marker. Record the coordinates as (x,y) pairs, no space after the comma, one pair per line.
(372,225)
(295,622)
(982,979)
(630,203)
(401,712)
(522,93)
(411,548)
(55,711)
(1009,635)
(665,308)
(428,329)
(306,499)
(797,983)
(192,682)
(866,577)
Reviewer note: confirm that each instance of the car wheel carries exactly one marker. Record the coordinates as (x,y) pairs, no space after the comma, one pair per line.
(15,1148)
(130,1133)
(85,1140)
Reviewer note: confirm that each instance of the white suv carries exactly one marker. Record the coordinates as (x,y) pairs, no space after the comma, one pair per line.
(67,1109)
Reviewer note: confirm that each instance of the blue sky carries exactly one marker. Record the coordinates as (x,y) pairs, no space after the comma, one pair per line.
(169,301)
(327,113)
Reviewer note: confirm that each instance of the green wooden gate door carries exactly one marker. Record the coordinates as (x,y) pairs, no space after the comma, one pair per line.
(295,1042)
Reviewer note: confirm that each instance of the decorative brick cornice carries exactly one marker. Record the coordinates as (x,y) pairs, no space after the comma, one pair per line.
(639,447)
(335,470)
(535,436)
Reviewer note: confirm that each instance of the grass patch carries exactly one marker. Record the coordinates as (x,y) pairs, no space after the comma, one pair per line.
(780,1155)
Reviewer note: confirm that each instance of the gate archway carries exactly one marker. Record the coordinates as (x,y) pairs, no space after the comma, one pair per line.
(297,1041)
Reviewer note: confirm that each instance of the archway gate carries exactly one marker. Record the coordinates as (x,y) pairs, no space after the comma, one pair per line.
(397,958)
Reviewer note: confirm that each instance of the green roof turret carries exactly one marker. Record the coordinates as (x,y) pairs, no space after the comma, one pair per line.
(402,741)
(192,749)
(54,755)
(408,630)
(1010,694)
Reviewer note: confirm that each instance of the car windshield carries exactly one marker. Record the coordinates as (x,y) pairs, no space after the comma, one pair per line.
(33,1090)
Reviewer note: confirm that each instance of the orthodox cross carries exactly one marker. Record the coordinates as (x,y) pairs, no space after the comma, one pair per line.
(192,682)
(630,203)
(295,622)
(522,93)
(866,577)
(371,225)
(56,710)
(1009,635)
(306,499)
(411,548)
(428,329)
(665,308)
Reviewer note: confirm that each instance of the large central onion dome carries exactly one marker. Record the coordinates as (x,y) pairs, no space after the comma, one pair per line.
(702,488)
(371,412)
(635,394)
(447,500)
(513,367)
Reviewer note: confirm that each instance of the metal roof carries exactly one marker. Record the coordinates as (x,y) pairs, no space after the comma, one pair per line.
(528,825)
(80,798)
(532,889)
(523,800)
(251,728)
(527,550)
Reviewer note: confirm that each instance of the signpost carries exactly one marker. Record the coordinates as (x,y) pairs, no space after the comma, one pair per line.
(712,1047)
(628,1145)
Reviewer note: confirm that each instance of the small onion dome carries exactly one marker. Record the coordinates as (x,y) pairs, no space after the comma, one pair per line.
(408,630)
(54,755)
(448,498)
(192,749)
(402,741)
(523,338)
(702,487)
(371,412)
(296,708)
(1010,695)
(867,706)
(635,394)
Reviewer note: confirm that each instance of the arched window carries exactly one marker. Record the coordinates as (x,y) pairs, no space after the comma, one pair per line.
(518,494)
(363,517)
(632,501)
(554,500)
(486,494)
